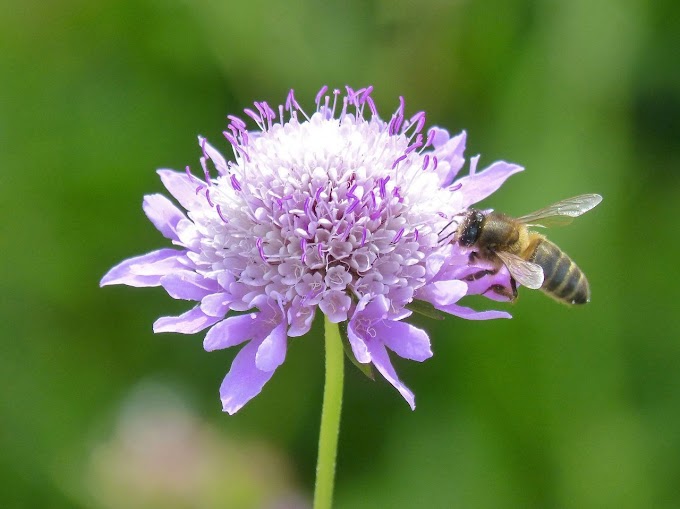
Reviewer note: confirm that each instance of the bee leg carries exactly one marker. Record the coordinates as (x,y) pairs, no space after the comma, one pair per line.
(510,294)
(479,274)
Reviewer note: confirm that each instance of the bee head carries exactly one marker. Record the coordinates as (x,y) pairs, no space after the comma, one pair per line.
(471,228)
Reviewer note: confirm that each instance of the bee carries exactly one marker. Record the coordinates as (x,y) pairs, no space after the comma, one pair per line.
(532,260)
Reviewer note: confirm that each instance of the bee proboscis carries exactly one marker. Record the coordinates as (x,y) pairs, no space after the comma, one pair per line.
(532,260)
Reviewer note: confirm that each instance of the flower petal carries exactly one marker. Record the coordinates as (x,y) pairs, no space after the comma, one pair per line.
(163,214)
(212,153)
(471,314)
(190,322)
(450,157)
(231,331)
(216,304)
(183,188)
(366,312)
(300,317)
(441,293)
(244,381)
(404,339)
(335,305)
(188,285)
(476,187)
(382,362)
(144,270)
(272,352)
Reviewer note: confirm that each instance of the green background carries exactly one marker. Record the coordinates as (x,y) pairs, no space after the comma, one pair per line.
(556,408)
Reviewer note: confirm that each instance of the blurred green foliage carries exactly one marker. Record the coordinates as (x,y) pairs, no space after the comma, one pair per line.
(568,408)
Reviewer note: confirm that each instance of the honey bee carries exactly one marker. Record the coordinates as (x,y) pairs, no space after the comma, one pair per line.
(532,260)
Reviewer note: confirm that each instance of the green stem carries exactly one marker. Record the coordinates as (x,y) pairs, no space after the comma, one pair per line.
(330,417)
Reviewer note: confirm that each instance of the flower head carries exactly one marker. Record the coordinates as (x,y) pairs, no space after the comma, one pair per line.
(338,211)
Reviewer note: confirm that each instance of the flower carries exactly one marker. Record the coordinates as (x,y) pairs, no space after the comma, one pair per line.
(338,211)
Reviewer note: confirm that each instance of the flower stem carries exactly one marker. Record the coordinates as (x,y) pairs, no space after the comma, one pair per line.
(330,417)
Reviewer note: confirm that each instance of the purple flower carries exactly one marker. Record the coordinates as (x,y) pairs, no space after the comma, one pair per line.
(337,211)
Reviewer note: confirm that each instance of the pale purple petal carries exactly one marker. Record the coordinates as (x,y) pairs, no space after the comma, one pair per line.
(272,352)
(188,285)
(216,304)
(183,188)
(451,159)
(217,159)
(144,270)
(404,339)
(381,361)
(244,381)
(441,136)
(474,188)
(360,327)
(359,348)
(335,305)
(190,322)
(443,292)
(471,314)
(232,331)
(300,318)
(163,214)
(188,235)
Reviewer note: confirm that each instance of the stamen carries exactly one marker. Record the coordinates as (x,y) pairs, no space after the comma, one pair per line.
(415,145)
(398,160)
(336,94)
(271,114)
(435,161)
(353,206)
(374,203)
(426,161)
(258,120)
(238,123)
(371,105)
(397,193)
(207,197)
(430,138)
(351,95)
(344,108)
(260,250)
(303,248)
(319,96)
(219,213)
(363,236)
(205,171)
(190,175)
(419,119)
(290,101)
(235,183)
(383,186)
(397,237)
(366,94)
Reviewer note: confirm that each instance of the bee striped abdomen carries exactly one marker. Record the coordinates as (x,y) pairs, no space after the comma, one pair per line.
(562,278)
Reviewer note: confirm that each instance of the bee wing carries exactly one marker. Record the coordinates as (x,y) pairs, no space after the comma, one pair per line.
(526,273)
(563,211)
